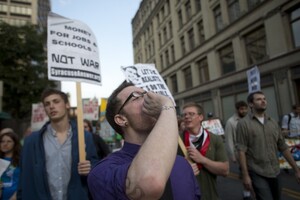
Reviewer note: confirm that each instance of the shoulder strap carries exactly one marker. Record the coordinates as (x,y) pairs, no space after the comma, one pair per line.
(289,120)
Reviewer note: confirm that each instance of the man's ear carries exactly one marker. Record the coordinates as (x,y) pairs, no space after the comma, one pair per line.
(120,120)
(68,105)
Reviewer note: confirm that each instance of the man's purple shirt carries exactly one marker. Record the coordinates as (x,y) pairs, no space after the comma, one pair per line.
(107,178)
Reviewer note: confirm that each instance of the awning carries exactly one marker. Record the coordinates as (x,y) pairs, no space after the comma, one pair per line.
(5,115)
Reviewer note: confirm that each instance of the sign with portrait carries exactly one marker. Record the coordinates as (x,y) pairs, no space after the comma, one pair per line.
(147,77)
(90,109)
(38,116)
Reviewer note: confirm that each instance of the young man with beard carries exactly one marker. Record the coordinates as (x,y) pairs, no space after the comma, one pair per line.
(147,166)
(206,150)
(258,140)
(230,135)
(50,167)
(230,127)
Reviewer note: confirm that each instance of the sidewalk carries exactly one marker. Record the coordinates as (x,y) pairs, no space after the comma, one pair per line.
(230,188)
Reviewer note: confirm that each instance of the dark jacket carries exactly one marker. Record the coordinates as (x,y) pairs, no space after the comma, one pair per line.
(33,183)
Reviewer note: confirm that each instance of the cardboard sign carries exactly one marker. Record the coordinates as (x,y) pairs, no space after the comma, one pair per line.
(214,126)
(72,51)
(147,77)
(38,116)
(253,77)
(90,109)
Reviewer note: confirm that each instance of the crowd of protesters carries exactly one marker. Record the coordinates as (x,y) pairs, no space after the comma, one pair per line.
(45,164)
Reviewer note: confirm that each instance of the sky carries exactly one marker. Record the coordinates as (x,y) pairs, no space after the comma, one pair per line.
(110,21)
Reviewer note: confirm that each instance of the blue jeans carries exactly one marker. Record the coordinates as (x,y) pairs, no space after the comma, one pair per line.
(266,188)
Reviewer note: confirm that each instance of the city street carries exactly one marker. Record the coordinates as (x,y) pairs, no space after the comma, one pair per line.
(230,188)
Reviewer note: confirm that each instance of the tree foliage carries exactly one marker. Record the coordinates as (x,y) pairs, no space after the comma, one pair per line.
(23,68)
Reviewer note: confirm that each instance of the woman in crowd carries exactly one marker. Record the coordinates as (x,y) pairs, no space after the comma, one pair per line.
(10,149)
(101,146)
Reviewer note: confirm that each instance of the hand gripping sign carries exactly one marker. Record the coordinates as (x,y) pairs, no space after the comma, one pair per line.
(73,56)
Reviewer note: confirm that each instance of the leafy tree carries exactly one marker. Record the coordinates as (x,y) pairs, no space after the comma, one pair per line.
(23,68)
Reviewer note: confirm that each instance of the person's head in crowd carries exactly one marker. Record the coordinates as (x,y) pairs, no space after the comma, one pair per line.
(113,107)
(193,115)
(296,109)
(257,102)
(10,146)
(241,108)
(181,126)
(87,125)
(56,104)
(6,130)
(210,115)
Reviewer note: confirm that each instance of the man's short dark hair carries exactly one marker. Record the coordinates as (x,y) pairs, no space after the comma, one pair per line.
(113,105)
(251,96)
(240,104)
(49,91)
(295,106)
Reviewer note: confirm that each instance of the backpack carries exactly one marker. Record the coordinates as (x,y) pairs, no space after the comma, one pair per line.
(289,120)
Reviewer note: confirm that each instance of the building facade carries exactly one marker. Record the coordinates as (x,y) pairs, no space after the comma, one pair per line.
(203,50)
(21,12)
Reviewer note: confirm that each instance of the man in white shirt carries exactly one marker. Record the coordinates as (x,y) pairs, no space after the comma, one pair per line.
(290,124)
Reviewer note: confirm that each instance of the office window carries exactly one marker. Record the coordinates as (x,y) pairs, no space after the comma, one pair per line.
(174,83)
(227,59)
(191,38)
(253,3)
(159,39)
(188,10)
(295,24)
(233,9)
(201,31)
(172,53)
(180,21)
(158,19)
(163,12)
(182,42)
(187,72)
(165,34)
(171,29)
(256,46)
(218,18)
(167,58)
(198,5)
(162,61)
(167,7)
(203,70)
(149,50)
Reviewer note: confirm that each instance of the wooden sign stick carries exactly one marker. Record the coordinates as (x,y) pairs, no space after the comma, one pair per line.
(183,149)
(81,143)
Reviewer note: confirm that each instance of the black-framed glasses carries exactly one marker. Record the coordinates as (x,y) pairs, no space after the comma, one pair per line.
(134,94)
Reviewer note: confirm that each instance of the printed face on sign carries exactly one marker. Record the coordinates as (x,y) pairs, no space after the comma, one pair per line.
(133,75)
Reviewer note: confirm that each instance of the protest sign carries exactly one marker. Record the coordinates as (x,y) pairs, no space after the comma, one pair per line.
(90,109)
(73,56)
(147,77)
(253,77)
(3,165)
(72,51)
(38,116)
(214,126)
